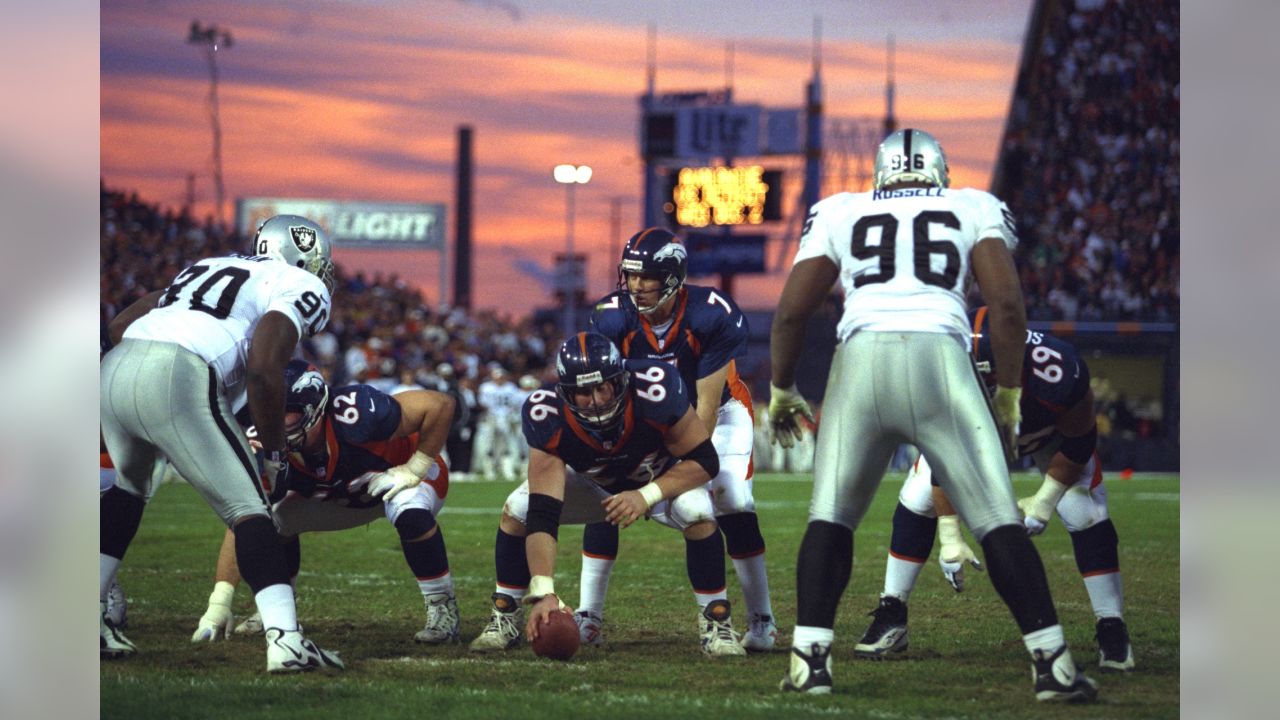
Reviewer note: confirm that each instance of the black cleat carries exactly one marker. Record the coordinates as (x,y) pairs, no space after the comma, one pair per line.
(888,630)
(1115,654)
(810,672)
(1058,680)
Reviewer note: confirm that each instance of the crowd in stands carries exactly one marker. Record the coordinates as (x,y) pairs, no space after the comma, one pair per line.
(1090,164)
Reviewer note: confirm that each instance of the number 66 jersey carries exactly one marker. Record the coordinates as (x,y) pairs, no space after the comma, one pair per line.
(903,254)
(632,453)
(213,307)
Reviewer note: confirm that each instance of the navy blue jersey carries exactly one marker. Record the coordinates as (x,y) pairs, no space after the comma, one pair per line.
(359,428)
(707,332)
(1054,378)
(628,457)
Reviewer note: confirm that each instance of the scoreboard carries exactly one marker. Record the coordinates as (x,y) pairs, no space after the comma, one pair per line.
(703,196)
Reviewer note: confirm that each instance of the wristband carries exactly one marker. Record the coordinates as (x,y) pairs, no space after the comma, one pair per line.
(223,593)
(949,530)
(420,464)
(651,493)
(540,586)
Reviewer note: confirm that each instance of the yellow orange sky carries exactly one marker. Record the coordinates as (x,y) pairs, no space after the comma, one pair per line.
(357,100)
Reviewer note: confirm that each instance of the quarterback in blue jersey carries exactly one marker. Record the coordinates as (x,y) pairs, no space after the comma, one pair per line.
(655,315)
(1059,433)
(358,454)
(616,441)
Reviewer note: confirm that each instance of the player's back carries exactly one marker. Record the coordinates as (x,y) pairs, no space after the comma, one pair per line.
(213,307)
(1055,378)
(904,254)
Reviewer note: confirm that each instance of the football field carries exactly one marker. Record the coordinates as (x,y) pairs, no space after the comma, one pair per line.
(356,596)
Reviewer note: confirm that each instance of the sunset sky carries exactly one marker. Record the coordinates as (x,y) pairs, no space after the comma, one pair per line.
(362,100)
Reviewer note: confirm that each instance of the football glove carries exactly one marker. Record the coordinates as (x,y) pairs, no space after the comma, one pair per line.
(401,477)
(786,407)
(217,620)
(1008,414)
(955,552)
(1038,509)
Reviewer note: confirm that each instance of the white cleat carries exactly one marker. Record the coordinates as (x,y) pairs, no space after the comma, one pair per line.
(443,624)
(251,625)
(590,627)
(112,643)
(761,634)
(810,673)
(503,631)
(716,628)
(117,606)
(289,652)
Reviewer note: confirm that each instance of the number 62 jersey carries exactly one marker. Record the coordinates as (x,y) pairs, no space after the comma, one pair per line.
(213,307)
(635,451)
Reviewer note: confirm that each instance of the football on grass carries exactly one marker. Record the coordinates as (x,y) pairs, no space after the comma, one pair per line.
(557,637)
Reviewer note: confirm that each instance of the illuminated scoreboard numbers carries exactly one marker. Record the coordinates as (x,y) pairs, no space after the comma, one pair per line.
(705,196)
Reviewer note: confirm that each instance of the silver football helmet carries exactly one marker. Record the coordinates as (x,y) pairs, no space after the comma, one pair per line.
(299,242)
(910,156)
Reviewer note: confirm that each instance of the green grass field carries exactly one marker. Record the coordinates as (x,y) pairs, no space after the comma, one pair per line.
(356,596)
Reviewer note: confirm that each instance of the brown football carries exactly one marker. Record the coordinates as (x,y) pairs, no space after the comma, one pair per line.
(557,637)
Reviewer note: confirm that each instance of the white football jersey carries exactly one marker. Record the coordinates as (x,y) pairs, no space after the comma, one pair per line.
(903,254)
(213,307)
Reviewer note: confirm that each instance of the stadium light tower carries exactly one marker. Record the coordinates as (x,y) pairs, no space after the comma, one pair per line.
(213,38)
(570,176)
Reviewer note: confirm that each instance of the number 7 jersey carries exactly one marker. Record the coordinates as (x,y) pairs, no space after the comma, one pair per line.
(903,255)
(213,307)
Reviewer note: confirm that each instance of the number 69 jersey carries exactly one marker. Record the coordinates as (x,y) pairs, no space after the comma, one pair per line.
(213,307)
(903,254)
(1054,379)
(630,455)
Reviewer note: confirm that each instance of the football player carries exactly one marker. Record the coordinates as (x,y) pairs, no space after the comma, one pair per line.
(616,441)
(188,357)
(902,374)
(1059,433)
(358,454)
(701,333)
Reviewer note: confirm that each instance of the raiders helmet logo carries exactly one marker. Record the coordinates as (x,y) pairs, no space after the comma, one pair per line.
(304,237)
(671,250)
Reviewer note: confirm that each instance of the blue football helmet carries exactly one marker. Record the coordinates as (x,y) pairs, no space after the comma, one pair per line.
(657,252)
(306,393)
(584,362)
(983,357)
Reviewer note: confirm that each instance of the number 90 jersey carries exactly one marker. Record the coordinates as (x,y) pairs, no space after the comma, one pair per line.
(903,255)
(707,332)
(1054,379)
(628,457)
(213,307)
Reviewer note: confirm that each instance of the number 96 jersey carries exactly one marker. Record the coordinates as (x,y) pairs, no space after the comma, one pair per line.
(632,454)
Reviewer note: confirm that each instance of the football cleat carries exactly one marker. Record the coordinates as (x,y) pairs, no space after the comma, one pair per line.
(716,628)
(117,606)
(761,634)
(1115,653)
(887,632)
(251,625)
(590,627)
(443,622)
(112,643)
(1058,680)
(503,631)
(810,672)
(289,652)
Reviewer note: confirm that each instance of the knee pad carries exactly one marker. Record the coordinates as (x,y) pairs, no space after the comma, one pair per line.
(413,523)
(917,490)
(691,507)
(517,504)
(423,497)
(1081,508)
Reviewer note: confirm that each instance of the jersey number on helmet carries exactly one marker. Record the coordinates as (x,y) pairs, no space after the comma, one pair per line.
(540,410)
(234,278)
(655,392)
(923,248)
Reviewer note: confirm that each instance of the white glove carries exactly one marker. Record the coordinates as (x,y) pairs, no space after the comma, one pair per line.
(1008,414)
(955,552)
(784,405)
(401,477)
(1038,509)
(217,619)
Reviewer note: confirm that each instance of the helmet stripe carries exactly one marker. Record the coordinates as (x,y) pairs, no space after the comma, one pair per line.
(906,145)
(582,343)
(978,318)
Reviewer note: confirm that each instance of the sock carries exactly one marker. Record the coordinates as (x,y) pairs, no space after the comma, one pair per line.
(599,551)
(1047,640)
(1105,594)
(745,544)
(822,573)
(909,548)
(107,567)
(900,576)
(806,635)
(276,604)
(292,558)
(1018,577)
(704,561)
(512,565)
(260,555)
(429,563)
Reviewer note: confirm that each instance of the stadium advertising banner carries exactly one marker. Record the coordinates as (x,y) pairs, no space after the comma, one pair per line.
(418,226)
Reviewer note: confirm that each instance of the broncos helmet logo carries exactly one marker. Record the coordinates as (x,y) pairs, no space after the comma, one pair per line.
(671,250)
